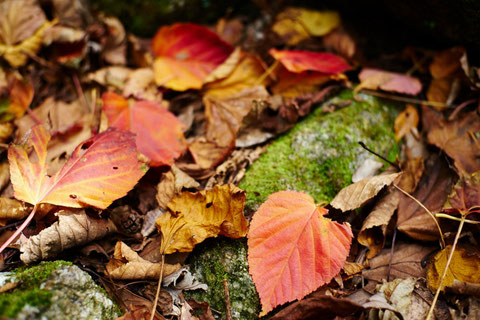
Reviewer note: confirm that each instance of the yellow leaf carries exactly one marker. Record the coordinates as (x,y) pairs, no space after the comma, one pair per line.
(12,209)
(463,267)
(406,121)
(193,217)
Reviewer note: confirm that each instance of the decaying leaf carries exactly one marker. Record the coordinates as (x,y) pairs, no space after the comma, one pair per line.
(463,267)
(182,279)
(171,184)
(73,228)
(341,42)
(291,236)
(12,209)
(355,195)
(406,121)
(128,265)
(186,54)
(159,134)
(465,197)
(197,216)
(100,170)
(293,84)
(300,61)
(389,81)
(20,95)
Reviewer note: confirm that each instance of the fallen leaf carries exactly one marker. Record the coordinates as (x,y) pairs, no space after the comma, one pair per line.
(128,265)
(207,154)
(439,90)
(225,115)
(182,279)
(159,134)
(19,98)
(231,30)
(291,236)
(465,197)
(171,184)
(352,268)
(12,209)
(463,267)
(193,217)
(149,219)
(459,140)
(100,170)
(341,42)
(296,24)
(186,54)
(293,84)
(355,195)
(300,61)
(73,228)
(389,81)
(202,309)
(406,121)
(446,63)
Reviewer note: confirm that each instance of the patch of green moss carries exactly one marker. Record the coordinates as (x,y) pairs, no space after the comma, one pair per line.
(320,154)
(223,258)
(33,276)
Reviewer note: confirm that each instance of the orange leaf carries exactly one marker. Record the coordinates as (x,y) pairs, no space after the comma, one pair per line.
(100,170)
(186,54)
(159,133)
(299,61)
(293,249)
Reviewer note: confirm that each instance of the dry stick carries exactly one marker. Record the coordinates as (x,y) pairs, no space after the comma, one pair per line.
(457,236)
(447,216)
(228,306)
(154,308)
(408,100)
(381,157)
(19,230)
(267,73)
(392,250)
(442,240)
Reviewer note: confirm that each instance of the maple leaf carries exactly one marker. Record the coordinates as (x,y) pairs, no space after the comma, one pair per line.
(301,248)
(388,81)
(299,61)
(159,132)
(186,54)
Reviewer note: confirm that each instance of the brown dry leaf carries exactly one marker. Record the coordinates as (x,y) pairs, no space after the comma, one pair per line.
(355,195)
(114,76)
(4,175)
(202,309)
(406,262)
(412,171)
(115,47)
(141,85)
(225,115)
(197,216)
(432,191)
(406,121)
(128,265)
(459,140)
(439,90)
(171,184)
(351,268)
(73,13)
(341,42)
(374,228)
(12,209)
(73,228)
(230,31)
(446,63)
(463,267)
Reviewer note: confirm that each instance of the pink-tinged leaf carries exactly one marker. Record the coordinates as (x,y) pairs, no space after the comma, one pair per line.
(299,61)
(159,132)
(186,54)
(389,81)
(100,170)
(293,249)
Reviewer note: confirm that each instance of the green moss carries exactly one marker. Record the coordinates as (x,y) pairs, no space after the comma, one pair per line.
(33,276)
(222,258)
(319,155)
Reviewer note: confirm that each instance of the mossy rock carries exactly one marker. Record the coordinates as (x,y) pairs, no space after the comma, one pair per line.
(223,258)
(54,290)
(320,154)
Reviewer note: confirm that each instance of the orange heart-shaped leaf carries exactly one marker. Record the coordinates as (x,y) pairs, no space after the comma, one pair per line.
(159,132)
(100,170)
(186,54)
(293,249)
(299,61)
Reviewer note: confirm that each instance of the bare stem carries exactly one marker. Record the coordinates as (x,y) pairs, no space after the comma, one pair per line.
(228,306)
(267,73)
(439,289)
(154,308)
(19,230)
(408,100)
(447,216)
(442,240)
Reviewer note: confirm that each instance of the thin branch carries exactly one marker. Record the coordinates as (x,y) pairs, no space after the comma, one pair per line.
(447,216)
(392,251)
(408,100)
(19,230)
(228,305)
(267,73)
(154,308)
(442,240)
(380,156)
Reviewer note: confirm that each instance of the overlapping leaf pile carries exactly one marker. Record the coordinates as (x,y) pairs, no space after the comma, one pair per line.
(138,159)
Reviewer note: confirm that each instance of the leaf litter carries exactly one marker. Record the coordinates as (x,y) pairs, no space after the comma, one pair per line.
(140,143)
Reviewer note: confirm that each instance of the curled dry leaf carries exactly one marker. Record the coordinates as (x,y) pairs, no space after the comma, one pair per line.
(389,81)
(355,195)
(300,61)
(406,121)
(128,265)
(197,216)
(291,236)
(171,184)
(186,54)
(12,209)
(73,228)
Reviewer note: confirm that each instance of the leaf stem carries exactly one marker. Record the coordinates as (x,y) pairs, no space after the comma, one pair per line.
(447,216)
(457,236)
(267,73)
(442,240)
(154,308)
(19,230)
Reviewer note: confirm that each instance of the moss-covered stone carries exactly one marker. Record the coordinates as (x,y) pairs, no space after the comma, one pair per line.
(54,290)
(215,260)
(320,154)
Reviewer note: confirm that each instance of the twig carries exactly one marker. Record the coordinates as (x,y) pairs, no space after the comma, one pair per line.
(154,308)
(442,240)
(460,107)
(228,306)
(267,73)
(457,236)
(19,230)
(392,250)
(447,216)
(381,157)
(406,99)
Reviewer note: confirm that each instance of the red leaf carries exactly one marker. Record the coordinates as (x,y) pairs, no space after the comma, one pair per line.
(299,61)
(159,133)
(186,54)
(389,81)
(293,249)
